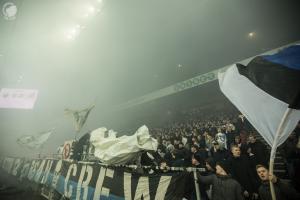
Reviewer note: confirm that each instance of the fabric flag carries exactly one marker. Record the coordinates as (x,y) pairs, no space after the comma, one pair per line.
(34,141)
(80,116)
(267,92)
(124,149)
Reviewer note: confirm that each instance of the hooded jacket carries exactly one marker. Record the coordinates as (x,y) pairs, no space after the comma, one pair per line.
(242,172)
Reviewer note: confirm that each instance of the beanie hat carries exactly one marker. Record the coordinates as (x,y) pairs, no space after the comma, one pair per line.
(225,166)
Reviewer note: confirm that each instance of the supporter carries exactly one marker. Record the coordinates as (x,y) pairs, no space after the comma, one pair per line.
(240,123)
(177,135)
(210,165)
(259,150)
(150,159)
(201,140)
(282,190)
(292,155)
(243,124)
(161,145)
(194,149)
(230,134)
(237,141)
(252,159)
(161,153)
(183,154)
(163,166)
(202,152)
(169,156)
(208,140)
(221,139)
(198,162)
(176,142)
(243,142)
(223,186)
(195,141)
(217,153)
(242,172)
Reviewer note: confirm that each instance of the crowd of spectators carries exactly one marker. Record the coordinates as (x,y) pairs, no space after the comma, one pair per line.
(226,145)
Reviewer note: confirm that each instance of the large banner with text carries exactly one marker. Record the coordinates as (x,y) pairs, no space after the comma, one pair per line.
(79,180)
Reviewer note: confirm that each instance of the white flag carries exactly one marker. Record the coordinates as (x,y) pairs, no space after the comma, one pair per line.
(34,141)
(79,116)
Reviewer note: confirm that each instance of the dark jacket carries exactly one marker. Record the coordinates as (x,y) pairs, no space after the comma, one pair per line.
(260,152)
(282,191)
(219,154)
(243,173)
(223,187)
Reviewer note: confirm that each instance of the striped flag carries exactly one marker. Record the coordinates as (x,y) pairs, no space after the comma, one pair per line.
(267,92)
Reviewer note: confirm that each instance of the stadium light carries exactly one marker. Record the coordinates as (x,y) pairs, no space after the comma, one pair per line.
(89,10)
(251,35)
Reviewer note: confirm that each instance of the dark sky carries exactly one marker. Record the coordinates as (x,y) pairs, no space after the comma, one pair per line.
(124,49)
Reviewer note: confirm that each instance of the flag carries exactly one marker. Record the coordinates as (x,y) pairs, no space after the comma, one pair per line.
(121,150)
(79,116)
(34,141)
(267,92)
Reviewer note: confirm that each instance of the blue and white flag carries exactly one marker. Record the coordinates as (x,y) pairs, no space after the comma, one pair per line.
(267,91)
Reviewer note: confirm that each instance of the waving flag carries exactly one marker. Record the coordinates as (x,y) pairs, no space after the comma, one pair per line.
(121,150)
(34,141)
(79,117)
(265,91)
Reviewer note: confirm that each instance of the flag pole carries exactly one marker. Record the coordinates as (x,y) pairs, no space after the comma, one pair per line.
(77,132)
(274,148)
(196,185)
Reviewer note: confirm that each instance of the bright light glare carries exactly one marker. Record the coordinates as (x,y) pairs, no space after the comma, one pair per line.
(70,36)
(89,10)
(251,34)
(72,33)
(92,9)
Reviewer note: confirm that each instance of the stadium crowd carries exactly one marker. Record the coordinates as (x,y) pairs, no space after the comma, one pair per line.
(236,161)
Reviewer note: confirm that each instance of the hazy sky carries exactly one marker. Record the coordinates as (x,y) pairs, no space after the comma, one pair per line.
(77,52)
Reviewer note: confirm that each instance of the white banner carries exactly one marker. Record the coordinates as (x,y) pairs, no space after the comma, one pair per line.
(18,98)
